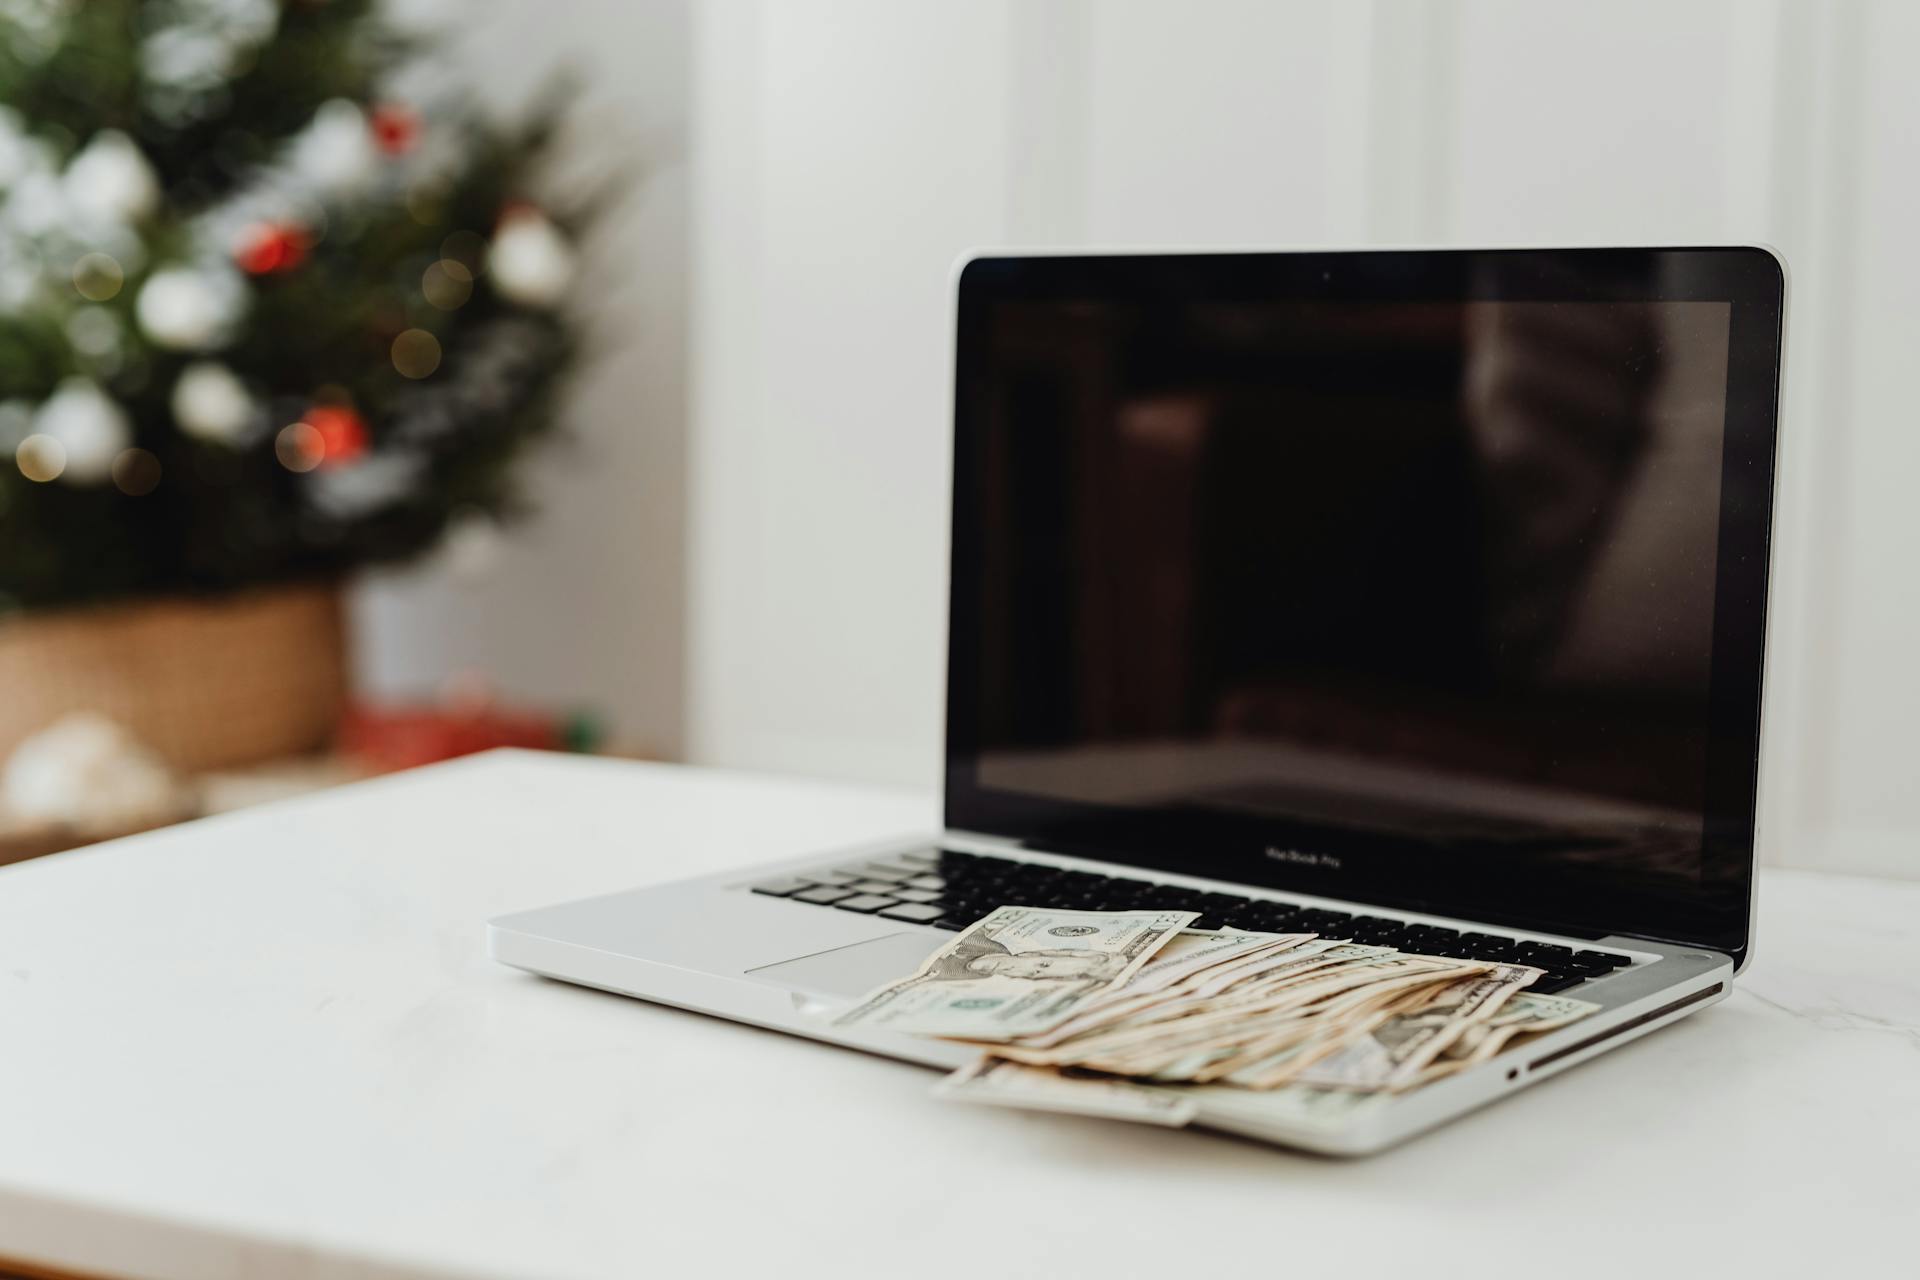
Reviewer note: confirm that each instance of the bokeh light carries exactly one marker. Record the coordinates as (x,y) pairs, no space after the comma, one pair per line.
(97,277)
(41,458)
(416,353)
(299,447)
(136,472)
(447,284)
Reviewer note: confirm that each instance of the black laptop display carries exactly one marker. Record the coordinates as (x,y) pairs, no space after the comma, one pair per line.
(1435,579)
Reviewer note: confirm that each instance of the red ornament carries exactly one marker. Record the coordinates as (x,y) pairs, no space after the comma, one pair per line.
(269,248)
(395,128)
(343,433)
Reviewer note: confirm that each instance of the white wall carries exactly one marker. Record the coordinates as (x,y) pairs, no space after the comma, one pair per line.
(845,151)
(585,605)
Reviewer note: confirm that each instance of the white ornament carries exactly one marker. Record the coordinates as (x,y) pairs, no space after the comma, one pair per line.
(365,486)
(335,153)
(210,404)
(88,772)
(242,21)
(110,180)
(36,205)
(16,148)
(530,262)
(20,277)
(89,425)
(190,309)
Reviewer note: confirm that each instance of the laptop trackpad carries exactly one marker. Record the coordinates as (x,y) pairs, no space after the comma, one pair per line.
(854,970)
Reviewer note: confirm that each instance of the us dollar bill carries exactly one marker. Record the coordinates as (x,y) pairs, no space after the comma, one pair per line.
(1304,1026)
(997,1082)
(1019,971)
(1524,1015)
(1395,1053)
(1146,1043)
(1192,955)
(1348,1019)
(1239,984)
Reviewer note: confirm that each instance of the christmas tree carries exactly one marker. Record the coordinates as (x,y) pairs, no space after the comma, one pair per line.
(275,300)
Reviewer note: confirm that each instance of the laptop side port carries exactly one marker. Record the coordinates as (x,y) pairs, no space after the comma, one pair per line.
(1652,1015)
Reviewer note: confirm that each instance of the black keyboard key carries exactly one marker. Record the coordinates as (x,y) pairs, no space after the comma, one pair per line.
(867,903)
(1552,982)
(1036,870)
(781,887)
(913,912)
(952,924)
(1281,922)
(822,894)
(1612,959)
(1545,953)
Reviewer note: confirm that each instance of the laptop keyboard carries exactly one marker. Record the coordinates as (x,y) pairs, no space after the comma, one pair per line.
(949,889)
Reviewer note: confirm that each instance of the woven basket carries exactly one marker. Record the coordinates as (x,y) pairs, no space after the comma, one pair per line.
(209,684)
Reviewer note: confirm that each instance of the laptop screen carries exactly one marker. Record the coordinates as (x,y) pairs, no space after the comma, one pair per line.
(1415,578)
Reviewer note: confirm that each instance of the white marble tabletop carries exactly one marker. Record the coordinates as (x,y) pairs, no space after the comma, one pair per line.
(271,1043)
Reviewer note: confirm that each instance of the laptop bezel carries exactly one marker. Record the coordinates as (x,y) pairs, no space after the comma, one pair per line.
(1716,911)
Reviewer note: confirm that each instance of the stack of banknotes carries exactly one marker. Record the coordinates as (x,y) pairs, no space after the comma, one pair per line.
(1131,1014)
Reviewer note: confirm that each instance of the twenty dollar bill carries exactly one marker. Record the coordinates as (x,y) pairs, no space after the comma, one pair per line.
(1017,972)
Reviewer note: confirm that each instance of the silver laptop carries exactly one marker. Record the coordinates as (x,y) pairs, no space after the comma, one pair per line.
(1409,596)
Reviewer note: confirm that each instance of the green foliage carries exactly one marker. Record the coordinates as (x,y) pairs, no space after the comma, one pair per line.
(223,136)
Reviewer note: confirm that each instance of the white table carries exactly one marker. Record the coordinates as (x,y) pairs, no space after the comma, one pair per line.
(271,1043)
